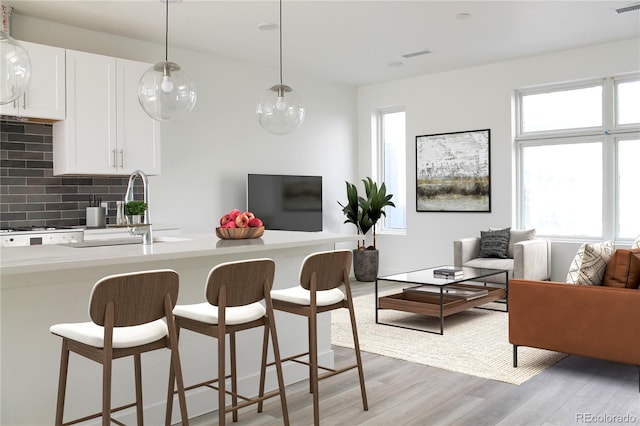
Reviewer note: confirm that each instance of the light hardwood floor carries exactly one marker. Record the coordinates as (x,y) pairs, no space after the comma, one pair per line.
(576,391)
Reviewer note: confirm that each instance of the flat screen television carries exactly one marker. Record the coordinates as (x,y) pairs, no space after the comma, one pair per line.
(285,202)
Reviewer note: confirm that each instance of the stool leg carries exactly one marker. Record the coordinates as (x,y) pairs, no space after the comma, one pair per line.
(263,367)
(62,382)
(271,327)
(106,390)
(138,373)
(356,346)
(234,379)
(313,365)
(221,377)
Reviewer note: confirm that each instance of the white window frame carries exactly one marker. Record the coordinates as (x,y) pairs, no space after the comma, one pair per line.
(609,132)
(378,165)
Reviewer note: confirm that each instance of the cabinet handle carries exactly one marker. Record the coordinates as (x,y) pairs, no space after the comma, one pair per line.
(122,158)
(114,158)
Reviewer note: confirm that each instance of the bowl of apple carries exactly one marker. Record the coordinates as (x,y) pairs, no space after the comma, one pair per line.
(236,225)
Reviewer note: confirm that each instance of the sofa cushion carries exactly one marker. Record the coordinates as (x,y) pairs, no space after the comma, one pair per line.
(589,264)
(495,243)
(516,236)
(623,269)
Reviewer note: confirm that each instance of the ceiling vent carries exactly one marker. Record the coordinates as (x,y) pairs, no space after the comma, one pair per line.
(414,54)
(628,8)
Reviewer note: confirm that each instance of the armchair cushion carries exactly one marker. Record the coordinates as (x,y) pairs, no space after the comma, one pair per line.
(495,243)
(531,258)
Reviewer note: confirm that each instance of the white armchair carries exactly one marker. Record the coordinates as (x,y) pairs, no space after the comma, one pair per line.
(527,259)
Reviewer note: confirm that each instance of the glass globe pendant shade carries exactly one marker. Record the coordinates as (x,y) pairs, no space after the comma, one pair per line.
(166,92)
(280,110)
(15,69)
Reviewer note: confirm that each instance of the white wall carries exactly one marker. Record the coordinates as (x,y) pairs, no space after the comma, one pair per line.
(207,156)
(470,99)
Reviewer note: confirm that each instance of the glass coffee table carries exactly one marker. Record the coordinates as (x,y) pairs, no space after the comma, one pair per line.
(431,295)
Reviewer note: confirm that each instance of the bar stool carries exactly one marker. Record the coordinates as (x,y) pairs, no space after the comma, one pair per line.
(233,293)
(127,312)
(320,276)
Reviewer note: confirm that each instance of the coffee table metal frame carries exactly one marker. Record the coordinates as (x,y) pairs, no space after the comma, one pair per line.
(425,304)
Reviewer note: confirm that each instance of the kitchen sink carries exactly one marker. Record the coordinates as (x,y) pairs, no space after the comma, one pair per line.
(124,241)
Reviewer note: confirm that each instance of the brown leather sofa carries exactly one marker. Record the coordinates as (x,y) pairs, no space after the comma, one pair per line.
(595,321)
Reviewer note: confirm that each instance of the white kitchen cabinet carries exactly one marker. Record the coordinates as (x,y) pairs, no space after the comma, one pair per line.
(106,131)
(45,96)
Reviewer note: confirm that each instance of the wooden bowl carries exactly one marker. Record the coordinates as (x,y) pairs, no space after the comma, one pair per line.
(240,233)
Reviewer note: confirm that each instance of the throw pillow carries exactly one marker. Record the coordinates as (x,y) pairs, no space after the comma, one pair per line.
(495,243)
(516,236)
(623,269)
(636,243)
(589,264)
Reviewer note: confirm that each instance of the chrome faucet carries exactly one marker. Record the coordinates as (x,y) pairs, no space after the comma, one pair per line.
(147,232)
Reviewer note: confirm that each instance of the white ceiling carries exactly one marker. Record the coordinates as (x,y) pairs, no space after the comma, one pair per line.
(354,41)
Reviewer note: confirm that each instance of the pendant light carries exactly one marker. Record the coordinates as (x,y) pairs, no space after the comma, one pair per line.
(15,65)
(166,92)
(280,110)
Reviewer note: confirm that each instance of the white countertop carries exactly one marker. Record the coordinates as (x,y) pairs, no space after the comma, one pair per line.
(20,260)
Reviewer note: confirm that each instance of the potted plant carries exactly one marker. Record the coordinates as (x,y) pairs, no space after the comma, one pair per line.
(364,213)
(134,211)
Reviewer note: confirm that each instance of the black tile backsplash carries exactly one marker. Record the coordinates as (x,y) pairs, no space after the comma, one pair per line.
(29,192)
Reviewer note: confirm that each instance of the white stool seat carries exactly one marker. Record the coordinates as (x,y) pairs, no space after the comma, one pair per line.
(207,313)
(301,296)
(92,334)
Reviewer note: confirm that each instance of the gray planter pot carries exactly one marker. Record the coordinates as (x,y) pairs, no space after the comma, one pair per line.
(365,265)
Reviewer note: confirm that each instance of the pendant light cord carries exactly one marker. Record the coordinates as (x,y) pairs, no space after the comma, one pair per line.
(280,42)
(166,32)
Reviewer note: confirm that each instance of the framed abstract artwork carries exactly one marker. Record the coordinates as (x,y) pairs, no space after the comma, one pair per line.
(453,173)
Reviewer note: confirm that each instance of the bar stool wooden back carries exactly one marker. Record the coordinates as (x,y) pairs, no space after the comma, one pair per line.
(321,275)
(130,314)
(234,292)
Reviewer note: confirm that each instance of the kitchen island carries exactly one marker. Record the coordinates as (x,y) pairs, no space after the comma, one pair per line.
(49,284)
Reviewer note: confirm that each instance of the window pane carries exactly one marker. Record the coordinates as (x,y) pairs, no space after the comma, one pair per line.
(562,189)
(628,199)
(394,141)
(628,102)
(566,109)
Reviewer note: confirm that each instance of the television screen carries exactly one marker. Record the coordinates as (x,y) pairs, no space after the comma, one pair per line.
(284,202)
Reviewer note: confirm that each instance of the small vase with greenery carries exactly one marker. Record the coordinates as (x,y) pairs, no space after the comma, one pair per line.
(364,213)
(136,210)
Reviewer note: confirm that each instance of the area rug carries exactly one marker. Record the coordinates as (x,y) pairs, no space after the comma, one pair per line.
(475,341)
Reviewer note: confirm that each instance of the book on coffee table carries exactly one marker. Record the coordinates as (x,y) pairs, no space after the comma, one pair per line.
(448,272)
(460,292)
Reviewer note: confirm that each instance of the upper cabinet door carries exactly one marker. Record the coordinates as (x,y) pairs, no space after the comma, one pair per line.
(106,131)
(138,133)
(85,143)
(45,96)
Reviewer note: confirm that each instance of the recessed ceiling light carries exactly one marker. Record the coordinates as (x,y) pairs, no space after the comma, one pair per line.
(462,16)
(418,53)
(395,64)
(267,26)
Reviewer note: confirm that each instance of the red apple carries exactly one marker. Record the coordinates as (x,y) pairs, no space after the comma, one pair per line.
(233,214)
(249,215)
(242,221)
(230,224)
(255,222)
(225,219)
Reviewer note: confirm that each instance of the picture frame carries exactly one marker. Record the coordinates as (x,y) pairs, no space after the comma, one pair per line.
(453,172)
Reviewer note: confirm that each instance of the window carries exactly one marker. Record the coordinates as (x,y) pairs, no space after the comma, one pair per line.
(391,167)
(577,159)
